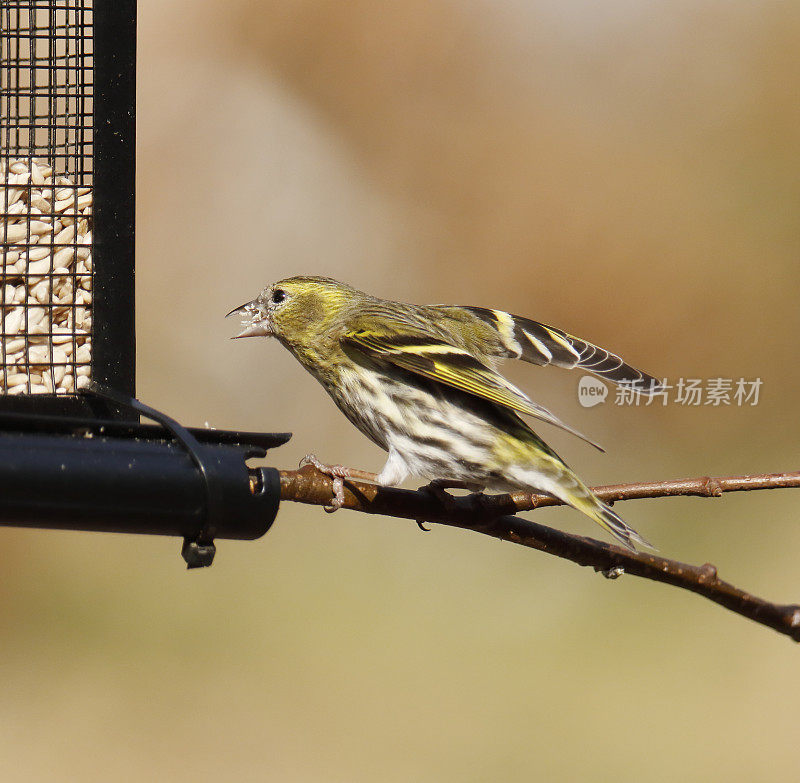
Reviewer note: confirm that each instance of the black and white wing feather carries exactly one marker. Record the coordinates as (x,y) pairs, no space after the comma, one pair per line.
(531,341)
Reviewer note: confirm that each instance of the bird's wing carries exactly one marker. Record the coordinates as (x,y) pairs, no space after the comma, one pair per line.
(433,357)
(521,338)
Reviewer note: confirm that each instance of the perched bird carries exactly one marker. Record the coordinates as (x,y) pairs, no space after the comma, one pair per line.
(420,382)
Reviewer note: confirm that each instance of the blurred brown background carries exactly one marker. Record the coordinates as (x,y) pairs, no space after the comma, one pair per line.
(627,171)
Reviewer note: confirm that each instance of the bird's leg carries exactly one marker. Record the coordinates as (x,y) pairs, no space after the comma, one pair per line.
(338,473)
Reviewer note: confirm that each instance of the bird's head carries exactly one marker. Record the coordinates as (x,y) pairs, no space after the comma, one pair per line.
(297,310)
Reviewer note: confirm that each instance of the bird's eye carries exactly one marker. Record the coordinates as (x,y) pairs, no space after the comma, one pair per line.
(278,296)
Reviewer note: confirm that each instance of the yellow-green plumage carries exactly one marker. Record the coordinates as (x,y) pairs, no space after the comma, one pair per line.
(420,381)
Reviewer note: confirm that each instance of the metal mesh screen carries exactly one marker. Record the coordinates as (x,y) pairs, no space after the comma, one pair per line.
(46,163)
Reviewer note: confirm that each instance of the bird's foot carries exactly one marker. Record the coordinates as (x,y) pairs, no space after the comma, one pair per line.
(338,473)
(437,488)
(482,501)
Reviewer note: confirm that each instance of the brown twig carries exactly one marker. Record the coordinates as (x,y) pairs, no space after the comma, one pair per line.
(704,487)
(490,515)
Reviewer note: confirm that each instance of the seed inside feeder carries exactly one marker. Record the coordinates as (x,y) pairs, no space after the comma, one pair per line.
(46,291)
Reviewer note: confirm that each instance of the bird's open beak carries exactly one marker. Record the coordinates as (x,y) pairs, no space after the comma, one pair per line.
(245,308)
(256,326)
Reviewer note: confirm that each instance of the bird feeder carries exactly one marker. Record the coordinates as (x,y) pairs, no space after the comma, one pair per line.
(73,452)
(67,167)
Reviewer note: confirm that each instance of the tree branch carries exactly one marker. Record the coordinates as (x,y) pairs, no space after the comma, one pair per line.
(490,515)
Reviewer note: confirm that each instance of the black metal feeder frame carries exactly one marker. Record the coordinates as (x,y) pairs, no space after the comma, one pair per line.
(73,454)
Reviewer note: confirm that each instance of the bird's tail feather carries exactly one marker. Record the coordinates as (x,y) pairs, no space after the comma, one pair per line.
(609,519)
(567,487)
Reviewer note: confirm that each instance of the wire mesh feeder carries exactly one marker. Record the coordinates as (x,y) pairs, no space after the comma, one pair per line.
(67,81)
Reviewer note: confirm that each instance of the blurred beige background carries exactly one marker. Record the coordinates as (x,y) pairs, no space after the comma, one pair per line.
(627,171)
